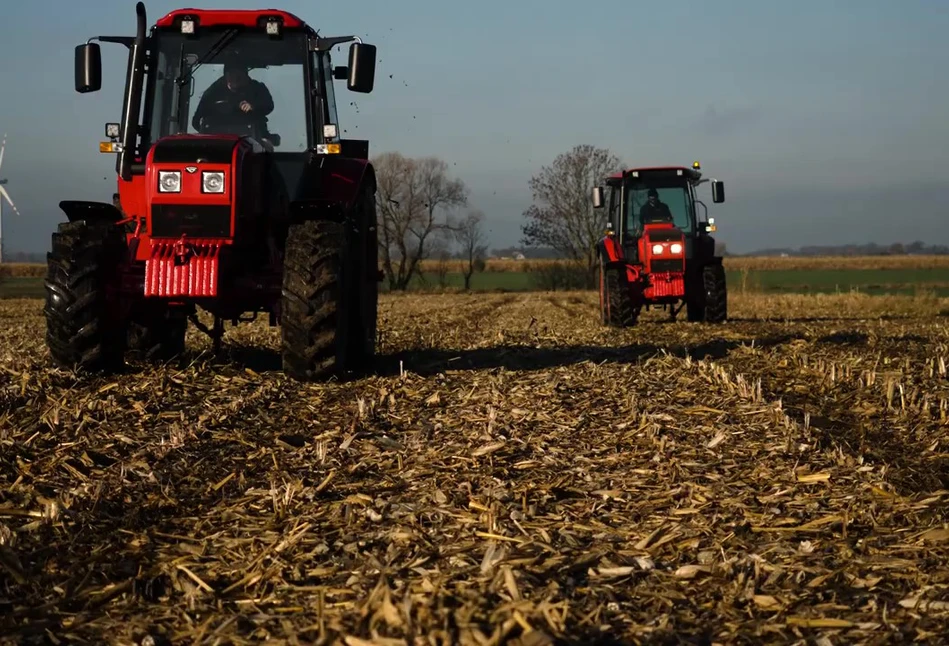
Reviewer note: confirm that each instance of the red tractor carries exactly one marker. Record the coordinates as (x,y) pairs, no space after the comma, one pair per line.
(656,251)
(236,195)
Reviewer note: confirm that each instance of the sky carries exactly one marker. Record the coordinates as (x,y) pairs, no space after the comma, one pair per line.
(826,119)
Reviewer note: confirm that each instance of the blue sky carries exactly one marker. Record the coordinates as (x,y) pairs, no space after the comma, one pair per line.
(826,119)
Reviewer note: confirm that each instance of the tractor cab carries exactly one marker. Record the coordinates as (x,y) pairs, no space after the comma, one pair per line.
(265,75)
(639,197)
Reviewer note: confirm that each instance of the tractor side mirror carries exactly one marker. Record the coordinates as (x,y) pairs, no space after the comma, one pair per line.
(597,197)
(718,191)
(88,68)
(362,67)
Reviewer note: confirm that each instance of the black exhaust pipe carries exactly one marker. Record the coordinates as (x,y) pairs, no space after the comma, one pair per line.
(133,97)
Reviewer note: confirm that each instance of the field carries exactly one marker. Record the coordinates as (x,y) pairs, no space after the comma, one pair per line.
(511,473)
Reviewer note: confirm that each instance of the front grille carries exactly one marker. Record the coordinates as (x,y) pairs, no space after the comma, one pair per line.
(665,286)
(195,221)
(660,266)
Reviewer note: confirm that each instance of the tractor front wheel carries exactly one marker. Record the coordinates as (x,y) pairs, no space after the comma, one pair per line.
(716,294)
(157,333)
(84,321)
(695,297)
(622,309)
(315,306)
(605,318)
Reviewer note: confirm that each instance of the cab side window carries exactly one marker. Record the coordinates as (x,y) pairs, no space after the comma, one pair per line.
(614,208)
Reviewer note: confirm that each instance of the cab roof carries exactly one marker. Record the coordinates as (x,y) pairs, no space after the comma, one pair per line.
(230,17)
(690,173)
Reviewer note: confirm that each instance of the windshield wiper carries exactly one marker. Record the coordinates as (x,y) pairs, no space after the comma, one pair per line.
(214,50)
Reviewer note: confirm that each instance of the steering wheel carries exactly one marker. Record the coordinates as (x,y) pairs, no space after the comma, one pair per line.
(227,117)
(223,116)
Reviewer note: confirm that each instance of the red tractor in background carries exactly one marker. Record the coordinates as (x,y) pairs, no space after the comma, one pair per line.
(657,252)
(217,210)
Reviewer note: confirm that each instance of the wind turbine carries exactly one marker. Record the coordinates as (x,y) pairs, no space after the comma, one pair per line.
(4,195)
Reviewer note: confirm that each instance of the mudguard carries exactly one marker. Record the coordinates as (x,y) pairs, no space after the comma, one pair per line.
(610,250)
(78,210)
(341,181)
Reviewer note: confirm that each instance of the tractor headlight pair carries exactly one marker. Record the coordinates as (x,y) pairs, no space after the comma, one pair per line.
(675,248)
(169,181)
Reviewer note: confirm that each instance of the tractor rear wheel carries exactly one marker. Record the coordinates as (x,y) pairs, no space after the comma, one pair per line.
(315,310)
(623,312)
(157,333)
(84,323)
(716,293)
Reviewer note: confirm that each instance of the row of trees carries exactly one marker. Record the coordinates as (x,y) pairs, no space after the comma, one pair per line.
(417,201)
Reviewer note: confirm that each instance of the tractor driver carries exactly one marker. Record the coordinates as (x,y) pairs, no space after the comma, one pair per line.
(236,99)
(654,210)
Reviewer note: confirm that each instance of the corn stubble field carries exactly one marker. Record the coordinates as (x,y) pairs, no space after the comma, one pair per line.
(513,473)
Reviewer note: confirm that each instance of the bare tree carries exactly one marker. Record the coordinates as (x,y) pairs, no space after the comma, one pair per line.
(416,197)
(469,235)
(562,216)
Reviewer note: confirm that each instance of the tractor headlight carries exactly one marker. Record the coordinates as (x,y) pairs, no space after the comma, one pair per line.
(675,247)
(657,248)
(212,182)
(169,181)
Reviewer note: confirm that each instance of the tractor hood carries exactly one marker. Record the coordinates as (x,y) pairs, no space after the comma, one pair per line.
(194,149)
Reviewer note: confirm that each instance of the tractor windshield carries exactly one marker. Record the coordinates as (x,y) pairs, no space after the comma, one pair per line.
(671,198)
(235,82)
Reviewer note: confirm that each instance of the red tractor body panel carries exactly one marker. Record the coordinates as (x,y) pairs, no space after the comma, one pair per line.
(178,264)
(229,17)
(659,275)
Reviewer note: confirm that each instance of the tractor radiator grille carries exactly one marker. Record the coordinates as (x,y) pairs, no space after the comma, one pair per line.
(194,274)
(665,266)
(668,285)
(196,221)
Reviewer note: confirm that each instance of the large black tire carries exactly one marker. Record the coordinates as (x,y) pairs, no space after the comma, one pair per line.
(605,318)
(157,333)
(623,311)
(366,283)
(84,325)
(716,294)
(316,305)
(694,297)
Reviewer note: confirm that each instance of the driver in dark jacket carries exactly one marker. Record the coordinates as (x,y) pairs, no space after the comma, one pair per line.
(654,210)
(239,96)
